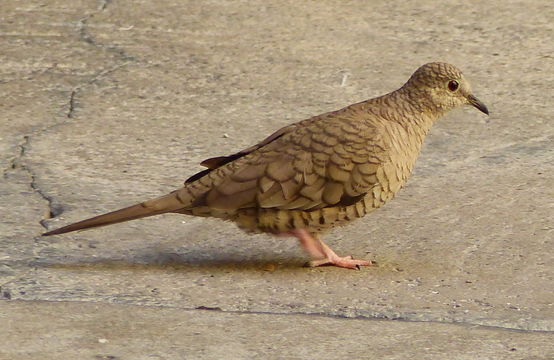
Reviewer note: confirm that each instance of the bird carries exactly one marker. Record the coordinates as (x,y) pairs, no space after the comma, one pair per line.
(319,173)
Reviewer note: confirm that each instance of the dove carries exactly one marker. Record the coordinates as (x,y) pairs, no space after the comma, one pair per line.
(311,176)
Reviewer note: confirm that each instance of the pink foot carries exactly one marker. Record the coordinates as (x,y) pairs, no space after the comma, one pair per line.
(344,262)
(323,254)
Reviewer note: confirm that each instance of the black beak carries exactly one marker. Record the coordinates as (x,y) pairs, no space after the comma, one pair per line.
(478,104)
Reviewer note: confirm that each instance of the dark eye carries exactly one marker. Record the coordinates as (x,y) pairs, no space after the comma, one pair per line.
(453,85)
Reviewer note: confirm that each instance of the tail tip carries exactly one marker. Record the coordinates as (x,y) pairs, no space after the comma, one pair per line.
(57,231)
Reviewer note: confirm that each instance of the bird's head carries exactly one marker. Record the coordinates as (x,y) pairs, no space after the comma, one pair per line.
(444,87)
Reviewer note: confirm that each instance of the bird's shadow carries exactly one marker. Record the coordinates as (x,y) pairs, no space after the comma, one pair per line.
(164,260)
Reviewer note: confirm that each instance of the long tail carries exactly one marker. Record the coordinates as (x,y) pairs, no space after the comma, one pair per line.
(161,205)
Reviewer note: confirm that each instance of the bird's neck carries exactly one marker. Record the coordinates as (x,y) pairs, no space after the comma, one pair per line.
(410,109)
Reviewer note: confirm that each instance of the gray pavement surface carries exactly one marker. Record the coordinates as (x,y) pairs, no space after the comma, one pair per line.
(107,103)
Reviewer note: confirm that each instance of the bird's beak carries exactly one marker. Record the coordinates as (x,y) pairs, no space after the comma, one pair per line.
(478,104)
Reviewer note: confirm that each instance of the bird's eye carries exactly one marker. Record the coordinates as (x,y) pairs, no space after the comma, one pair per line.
(453,85)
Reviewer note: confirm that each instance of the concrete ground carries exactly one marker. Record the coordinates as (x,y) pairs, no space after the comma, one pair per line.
(107,103)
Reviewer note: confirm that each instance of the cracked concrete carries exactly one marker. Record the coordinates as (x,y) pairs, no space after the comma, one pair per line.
(71,104)
(107,103)
(19,164)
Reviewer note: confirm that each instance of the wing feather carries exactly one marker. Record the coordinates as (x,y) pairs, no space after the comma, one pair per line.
(302,166)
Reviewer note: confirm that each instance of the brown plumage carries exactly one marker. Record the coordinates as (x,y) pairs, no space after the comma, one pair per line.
(318,173)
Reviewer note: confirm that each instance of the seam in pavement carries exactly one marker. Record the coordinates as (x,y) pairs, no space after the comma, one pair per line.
(382,317)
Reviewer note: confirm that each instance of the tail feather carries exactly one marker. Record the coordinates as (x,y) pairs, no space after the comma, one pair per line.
(161,205)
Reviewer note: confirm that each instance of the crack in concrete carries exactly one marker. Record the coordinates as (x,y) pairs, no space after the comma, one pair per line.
(72,103)
(104,4)
(18,163)
(82,22)
(125,59)
(84,34)
(15,163)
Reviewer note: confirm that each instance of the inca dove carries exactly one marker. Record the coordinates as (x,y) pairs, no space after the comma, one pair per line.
(318,173)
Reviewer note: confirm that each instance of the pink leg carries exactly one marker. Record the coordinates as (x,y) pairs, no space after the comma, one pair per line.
(310,244)
(322,254)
